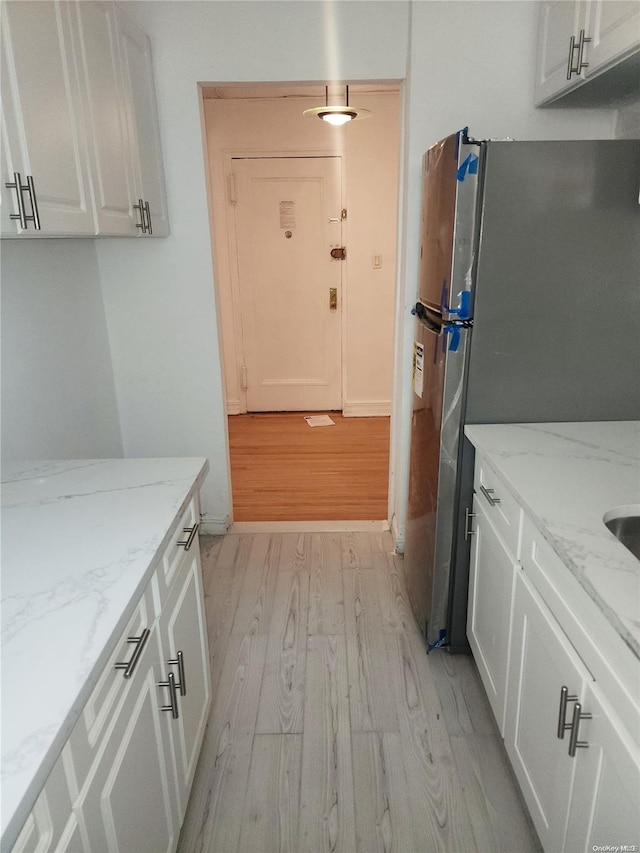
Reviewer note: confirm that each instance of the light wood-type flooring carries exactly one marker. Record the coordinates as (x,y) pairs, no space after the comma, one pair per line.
(331,730)
(284,470)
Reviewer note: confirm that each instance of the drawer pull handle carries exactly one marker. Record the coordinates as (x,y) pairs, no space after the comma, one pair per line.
(574,743)
(179,662)
(562,715)
(129,666)
(488,493)
(468,532)
(170,683)
(191,532)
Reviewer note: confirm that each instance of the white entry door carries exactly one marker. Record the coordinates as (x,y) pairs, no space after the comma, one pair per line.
(288,219)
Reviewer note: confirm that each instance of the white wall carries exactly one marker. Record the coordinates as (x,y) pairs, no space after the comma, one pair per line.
(466,63)
(628,120)
(370,151)
(58,395)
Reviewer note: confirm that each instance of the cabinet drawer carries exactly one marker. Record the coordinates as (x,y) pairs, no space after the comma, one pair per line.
(111,687)
(181,542)
(501,508)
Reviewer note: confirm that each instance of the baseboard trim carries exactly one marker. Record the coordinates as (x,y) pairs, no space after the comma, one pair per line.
(214,526)
(308,526)
(234,407)
(367,409)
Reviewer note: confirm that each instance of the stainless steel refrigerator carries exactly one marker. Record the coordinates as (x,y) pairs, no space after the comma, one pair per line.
(529,311)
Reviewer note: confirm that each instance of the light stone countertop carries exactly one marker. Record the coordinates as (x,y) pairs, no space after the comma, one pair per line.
(566,476)
(80,541)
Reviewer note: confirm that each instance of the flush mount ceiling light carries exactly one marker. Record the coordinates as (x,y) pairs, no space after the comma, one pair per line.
(337,114)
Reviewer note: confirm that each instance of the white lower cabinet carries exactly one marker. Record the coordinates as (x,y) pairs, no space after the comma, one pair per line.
(183,635)
(606,790)
(578,767)
(491,574)
(122,782)
(127,802)
(542,663)
(52,826)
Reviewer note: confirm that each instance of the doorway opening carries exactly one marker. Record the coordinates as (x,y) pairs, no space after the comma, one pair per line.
(304,223)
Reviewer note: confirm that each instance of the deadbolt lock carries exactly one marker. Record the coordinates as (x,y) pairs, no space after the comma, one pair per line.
(333,298)
(339,253)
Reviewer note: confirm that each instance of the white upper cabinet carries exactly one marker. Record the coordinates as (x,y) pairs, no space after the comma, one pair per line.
(614,29)
(106,115)
(578,40)
(79,123)
(43,136)
(143,127)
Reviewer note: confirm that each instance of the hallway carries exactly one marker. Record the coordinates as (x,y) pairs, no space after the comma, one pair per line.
(330,728)
(284,470)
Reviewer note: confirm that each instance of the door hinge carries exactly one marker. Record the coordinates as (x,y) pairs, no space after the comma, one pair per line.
(343,215)
(243,377)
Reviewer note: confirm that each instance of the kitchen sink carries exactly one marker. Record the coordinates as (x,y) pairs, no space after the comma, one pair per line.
(624,523)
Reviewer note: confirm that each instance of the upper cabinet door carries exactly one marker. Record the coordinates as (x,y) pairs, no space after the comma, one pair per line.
(578,40)
(614,30)
(42,129)
(110,147)
(559,22)
(143,125)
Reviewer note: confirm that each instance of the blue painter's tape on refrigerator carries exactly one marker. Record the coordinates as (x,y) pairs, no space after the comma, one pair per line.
(463,311)
(441,641)
(469,166)
(454,338)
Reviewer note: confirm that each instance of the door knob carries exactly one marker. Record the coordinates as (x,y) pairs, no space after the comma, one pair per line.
(339,253)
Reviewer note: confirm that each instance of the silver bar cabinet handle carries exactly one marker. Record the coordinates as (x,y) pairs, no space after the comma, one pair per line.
(129,666)
(583,40)
(35,216)
(179,662)
(574,743)
(572,48)
(191,531)
(468,532)
(142,224)
(17,186)
(488,493)
(562,715)
(147,210)
(170,683)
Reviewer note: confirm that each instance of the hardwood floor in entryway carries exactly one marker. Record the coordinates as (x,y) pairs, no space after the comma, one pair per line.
(330,728)
(284,470)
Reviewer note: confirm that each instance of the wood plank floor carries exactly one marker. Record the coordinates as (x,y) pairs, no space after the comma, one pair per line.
(284,470)
(330,728)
